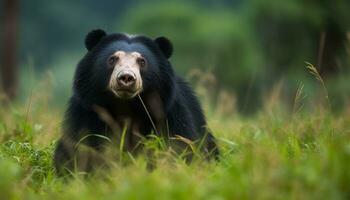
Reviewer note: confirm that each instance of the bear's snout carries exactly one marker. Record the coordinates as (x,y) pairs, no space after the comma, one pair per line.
(126,79)
(125,82)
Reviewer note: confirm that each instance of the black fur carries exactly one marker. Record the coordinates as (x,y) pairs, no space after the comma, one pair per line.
(165,46)
(93,38)
(173,105)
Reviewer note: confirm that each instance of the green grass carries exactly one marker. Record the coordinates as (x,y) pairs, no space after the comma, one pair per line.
(273,155)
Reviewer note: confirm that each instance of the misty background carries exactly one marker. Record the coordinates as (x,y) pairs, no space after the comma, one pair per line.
(245,48)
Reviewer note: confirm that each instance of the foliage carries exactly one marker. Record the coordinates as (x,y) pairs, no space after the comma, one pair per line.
(274,155)
(249,46)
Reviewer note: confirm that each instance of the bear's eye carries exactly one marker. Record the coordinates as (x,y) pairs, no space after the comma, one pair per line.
(141,62)
(112,60)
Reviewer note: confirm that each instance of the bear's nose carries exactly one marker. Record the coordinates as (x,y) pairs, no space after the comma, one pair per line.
(126,78)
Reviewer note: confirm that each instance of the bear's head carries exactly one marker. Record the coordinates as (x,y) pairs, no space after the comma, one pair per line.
(123,66)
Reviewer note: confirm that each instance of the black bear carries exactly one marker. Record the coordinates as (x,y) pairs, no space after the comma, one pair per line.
(128,81)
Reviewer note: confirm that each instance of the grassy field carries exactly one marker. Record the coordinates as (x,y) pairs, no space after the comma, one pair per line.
(273,155)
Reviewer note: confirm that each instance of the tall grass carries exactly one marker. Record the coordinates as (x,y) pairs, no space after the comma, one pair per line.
(273,155)
(312,69)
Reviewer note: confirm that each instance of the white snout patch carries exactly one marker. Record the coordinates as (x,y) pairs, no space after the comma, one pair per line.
(126,63)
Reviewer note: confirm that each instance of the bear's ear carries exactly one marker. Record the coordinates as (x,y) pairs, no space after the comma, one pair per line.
(93,37)
(165,46)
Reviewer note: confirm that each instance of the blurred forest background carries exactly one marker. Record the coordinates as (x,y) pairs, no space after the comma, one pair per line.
(246,48)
